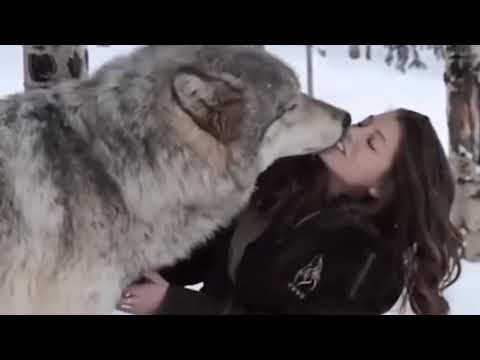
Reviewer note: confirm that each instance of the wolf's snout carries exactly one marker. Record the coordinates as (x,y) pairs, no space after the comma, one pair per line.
(347,121)
(314,127)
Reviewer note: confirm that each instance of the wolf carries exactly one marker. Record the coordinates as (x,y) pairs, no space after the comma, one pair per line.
(103,178)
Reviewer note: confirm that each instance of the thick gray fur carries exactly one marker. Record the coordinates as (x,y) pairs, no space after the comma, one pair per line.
(104,178)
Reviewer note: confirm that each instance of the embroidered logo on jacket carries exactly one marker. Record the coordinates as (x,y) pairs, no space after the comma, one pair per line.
(307,278)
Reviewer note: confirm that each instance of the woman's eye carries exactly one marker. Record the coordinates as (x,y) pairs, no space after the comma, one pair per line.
(370,144)
(292,107)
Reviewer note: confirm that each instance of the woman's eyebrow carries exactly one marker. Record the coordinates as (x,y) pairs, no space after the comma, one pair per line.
(368,120)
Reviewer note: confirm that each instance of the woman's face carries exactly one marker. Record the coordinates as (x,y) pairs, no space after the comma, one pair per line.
(367,152)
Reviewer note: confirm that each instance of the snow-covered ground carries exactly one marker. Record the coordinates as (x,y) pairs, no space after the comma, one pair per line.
(363,87)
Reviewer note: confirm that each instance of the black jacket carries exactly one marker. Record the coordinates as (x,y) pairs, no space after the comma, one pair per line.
(207,264)
(317,268)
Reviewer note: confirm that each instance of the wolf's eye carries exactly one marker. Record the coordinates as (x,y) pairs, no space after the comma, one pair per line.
(283,110)
(292,107)
(370,144)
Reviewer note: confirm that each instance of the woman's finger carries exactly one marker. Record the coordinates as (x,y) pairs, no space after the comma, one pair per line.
(126,304)
(125,307)
(128,301)
(133,290)
(127,294)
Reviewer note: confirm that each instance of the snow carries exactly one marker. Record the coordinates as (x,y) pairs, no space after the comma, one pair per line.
(11,69)
(363,87)
(464,295)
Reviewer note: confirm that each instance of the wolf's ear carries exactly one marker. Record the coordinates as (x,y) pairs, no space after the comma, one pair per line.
(215,103)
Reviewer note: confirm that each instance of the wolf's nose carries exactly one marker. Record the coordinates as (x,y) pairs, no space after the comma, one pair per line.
(347,120)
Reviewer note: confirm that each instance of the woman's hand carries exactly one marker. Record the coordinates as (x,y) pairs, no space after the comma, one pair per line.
(144,298)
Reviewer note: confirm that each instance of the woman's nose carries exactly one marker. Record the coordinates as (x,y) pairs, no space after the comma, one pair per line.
(355,133)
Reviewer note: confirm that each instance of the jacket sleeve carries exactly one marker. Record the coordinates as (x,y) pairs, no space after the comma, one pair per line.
(202,266)
(194,269)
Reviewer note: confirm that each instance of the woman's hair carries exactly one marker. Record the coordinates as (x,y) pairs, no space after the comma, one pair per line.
(420,211)
(412,218)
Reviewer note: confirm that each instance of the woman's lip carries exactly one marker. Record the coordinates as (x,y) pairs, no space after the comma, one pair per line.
(339,146)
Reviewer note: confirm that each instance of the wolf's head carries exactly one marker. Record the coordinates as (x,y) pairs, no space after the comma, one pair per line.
(251,102)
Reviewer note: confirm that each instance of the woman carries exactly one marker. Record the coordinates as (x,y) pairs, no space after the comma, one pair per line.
(348,231)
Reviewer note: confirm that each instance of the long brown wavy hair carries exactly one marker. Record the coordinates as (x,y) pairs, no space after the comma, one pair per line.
(412,218)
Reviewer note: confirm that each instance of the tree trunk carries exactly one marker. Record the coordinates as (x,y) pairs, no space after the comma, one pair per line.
(368,52)
(462,79)
(354,51)
(310,70)
(46,65)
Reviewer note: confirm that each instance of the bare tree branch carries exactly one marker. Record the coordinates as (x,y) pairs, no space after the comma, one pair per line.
(402,57)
